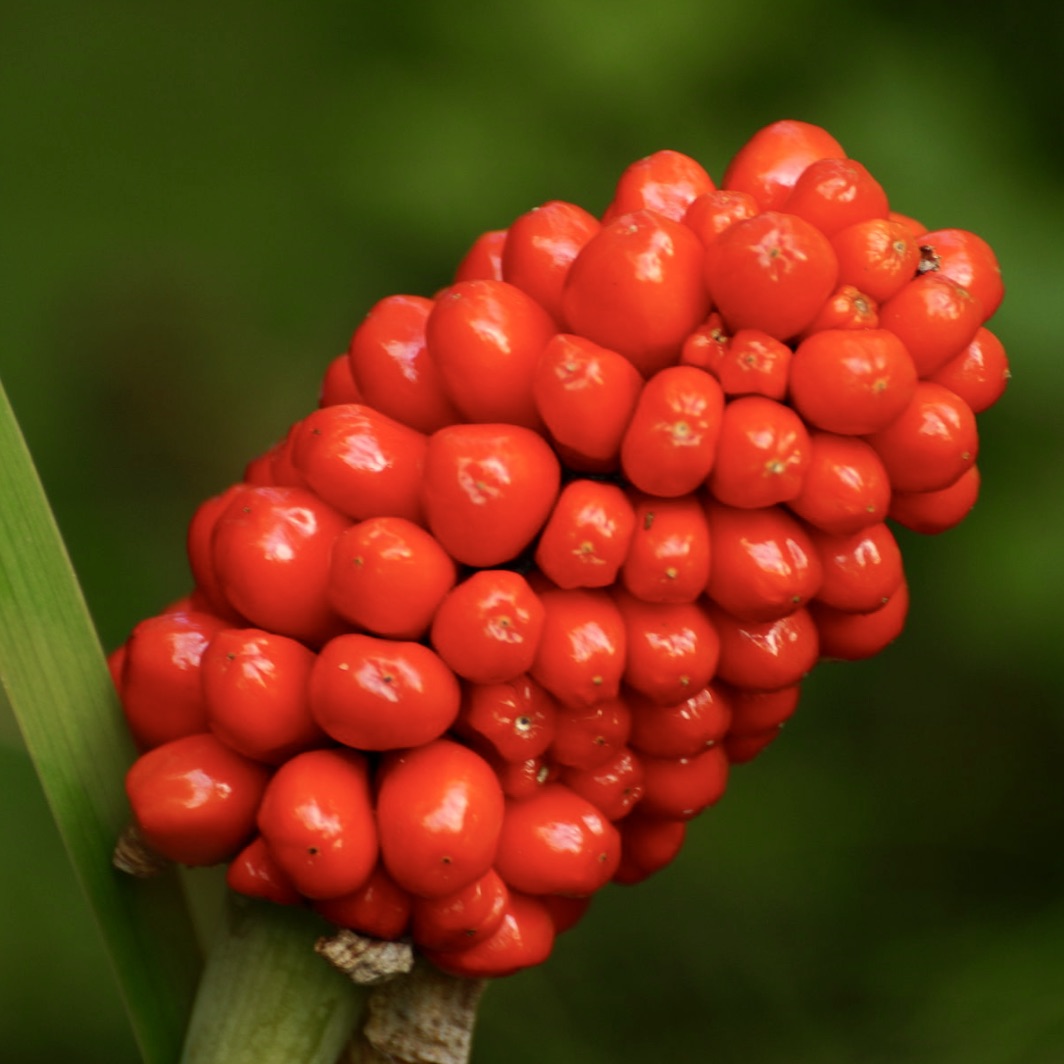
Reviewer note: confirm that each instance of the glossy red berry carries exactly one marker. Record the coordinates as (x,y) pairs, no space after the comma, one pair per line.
(486,337)
(754,363)
(637,288)
(514,720)
(614,787)
(765,564)
(861,570)
(556,842)
(681,788)
(709,214)
(586,538)
(932,441)
(765,655)
(934,317)
(671,441)
(316,816)
(254,873)
(672,648)
(770,162)
(848,636)
(483,260)
(668,557)
(877,256)
(588,736)
(523,939)
(582,649)
(255,688)
(979,374)
(159,680)
(681,730)
(338,383)
(967,259)
(666,182)
(194,799)
(763,452)
(460,920)
(846,486)
(852,382)
(439,813)
(392,368)
(771,272)
(388,576)
(487,490)
(271,550)
(835,193)
(379,908)
(541,245)
(381,694)
(934,512)
(585,395)
(361,462)
(648,844)
(487,628)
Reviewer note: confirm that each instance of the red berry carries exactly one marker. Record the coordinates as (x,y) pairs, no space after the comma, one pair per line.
(931,443)
(379,908)
(614,787)
(582,650)
(834,193)
(194,799)
(877,256)
(524,938)
(754,363)
(254,873)
(672,648)
(460,920)
(388,576)
(541,245)
(772,272)
(762,455)
(852,382)
(255,689)
(487,490)
(361,462)
(556,842)
(861,570)
(681,788)
(316,816)
(933,512)
(160,684)
(850,636)
(485,337)
(846,486)
(666,182)
(756,712)
(967,259)
(392,368)
(637,288)
(588,736)
(934,317)
(764,562)
(338,384)
(765,655)
(709,214)
(648,844)
(681,730)
(483,260)
(669,553)
(846,308)
(381,694)
(770,162)
(514,720)
(586,538)
(439,812)
(585,394)
(979,373)
(671,441)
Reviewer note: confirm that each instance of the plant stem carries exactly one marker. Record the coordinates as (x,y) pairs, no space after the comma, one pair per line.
(266,997)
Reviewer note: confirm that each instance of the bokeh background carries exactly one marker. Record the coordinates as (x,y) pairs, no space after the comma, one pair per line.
(200,202)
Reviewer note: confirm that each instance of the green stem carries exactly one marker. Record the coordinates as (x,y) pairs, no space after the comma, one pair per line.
(53,673)
(266,996)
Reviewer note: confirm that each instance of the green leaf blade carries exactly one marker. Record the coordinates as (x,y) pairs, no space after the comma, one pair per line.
(53,674)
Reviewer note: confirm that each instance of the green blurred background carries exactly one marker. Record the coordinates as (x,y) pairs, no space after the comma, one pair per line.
(200,201)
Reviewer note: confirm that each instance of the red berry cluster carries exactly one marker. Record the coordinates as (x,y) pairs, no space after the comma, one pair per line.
(488,627)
